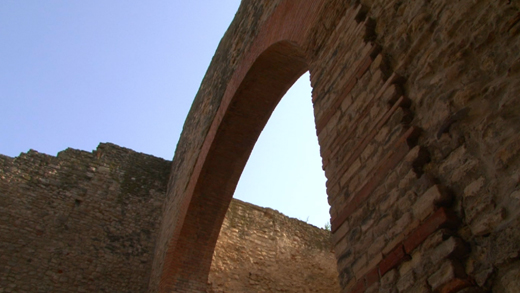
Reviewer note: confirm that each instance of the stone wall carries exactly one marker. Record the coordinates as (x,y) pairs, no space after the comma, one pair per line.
(416,107)
(422,151)
(261,250)
(79,222)
(88,222)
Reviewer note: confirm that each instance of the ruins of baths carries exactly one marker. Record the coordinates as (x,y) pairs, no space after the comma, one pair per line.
(416,107)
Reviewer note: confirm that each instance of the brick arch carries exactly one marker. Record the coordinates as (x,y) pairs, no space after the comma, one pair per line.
(275,61)
(398,149)
(270,76)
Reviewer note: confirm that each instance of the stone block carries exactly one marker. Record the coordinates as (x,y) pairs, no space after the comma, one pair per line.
(487,222)
(427,202)
(340,232)
(399,226)
(405,281)
(509,279)
(435,239)
(474,187)
(420,286)
(373,263)
(389,279)
(416,260)
(442,218)
(369,221)
(359,264)
(359,287)
(449,271)
(398,239)
(404,204)
(377,246)
(475,206)
(382,225)
(453,247)
(387,201)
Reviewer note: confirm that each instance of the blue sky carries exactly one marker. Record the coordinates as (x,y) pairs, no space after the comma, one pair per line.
(76,73)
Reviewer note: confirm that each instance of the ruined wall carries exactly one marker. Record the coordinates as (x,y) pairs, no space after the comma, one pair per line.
(261,250)
(416,108)
(79,222)
(88,222)
(422,152)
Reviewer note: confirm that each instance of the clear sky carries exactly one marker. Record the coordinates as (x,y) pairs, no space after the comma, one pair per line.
(76,73)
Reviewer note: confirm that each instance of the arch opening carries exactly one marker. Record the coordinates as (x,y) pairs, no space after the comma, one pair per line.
(190,252)
(284,171)
(276,247)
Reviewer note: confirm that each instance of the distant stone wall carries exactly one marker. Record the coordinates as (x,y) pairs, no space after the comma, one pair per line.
(88,222)
(79,222)
(261,250)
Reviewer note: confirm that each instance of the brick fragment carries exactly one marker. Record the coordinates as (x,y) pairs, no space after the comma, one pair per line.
(372,277)
(442,218)
(393,259)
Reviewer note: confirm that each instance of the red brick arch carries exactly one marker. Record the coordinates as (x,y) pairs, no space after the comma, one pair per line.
(398,149)
(276,60)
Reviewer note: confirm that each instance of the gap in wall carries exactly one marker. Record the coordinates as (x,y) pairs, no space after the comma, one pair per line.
(284,171)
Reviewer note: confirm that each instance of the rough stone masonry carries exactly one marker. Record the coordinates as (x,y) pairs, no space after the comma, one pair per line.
(88,222)
(416,105)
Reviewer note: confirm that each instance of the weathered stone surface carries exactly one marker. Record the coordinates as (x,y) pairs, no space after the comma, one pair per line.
(80,221)
(509,281)
(449,271)
(88,222)
(261,249)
